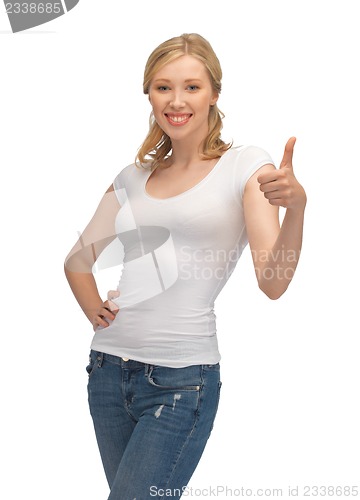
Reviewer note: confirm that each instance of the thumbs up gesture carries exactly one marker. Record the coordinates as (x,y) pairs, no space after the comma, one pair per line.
(280,187)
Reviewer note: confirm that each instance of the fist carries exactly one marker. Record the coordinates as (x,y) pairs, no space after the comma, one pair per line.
(280,187)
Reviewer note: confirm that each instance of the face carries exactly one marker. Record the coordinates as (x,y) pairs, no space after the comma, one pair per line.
(181,95)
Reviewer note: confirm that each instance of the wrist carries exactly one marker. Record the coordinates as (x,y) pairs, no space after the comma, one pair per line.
(298,209)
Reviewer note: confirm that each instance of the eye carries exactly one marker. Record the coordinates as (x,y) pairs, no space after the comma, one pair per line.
(192,88)
(163,88)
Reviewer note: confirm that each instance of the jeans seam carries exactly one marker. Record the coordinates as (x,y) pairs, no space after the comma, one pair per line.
(196,420)
(124,402)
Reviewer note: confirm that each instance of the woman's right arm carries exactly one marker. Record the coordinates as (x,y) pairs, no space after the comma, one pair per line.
(98,234)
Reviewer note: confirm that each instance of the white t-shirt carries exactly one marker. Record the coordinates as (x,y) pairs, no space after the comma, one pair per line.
(178,254)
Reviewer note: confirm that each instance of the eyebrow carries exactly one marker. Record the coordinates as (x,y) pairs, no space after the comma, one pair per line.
(185,81)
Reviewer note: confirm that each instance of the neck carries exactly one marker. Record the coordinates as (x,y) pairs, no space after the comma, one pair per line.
(185,154)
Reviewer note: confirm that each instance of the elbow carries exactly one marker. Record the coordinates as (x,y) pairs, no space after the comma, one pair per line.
(273,293)
(76,264)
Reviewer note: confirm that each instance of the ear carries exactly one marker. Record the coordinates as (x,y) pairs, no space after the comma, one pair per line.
(214,99)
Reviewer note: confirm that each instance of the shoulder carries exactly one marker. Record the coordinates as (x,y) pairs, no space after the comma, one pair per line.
(129,172)
(245,161)
(250,154)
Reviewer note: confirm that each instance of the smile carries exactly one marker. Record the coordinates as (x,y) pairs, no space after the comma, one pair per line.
(178,119)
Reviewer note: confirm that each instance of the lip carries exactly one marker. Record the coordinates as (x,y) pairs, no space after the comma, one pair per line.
(178,119)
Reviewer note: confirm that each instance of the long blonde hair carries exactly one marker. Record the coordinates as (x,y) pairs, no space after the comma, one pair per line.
(157,144)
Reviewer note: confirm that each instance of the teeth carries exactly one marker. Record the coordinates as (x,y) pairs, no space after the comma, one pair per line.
(178,119)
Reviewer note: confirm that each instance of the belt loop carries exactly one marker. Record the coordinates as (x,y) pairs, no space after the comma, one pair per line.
(148,369)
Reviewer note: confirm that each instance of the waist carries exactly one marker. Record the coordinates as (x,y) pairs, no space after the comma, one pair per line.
(162,348)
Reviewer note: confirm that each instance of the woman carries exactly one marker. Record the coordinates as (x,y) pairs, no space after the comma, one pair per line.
(183,213)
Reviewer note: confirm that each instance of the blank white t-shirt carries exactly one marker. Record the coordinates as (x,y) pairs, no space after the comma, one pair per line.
(178,254)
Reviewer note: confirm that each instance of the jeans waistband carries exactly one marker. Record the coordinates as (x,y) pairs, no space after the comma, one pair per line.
(124,362)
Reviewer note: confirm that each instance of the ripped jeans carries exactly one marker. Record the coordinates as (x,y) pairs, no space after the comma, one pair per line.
(151,423)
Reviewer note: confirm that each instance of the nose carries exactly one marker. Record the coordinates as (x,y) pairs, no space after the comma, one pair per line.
(177,100)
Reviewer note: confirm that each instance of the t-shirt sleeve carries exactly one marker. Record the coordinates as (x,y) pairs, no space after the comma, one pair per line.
(249,160)
(119,185)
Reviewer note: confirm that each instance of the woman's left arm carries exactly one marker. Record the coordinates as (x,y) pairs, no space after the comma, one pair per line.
(275,250)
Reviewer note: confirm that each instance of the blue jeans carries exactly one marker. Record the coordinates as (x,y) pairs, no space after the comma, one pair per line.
(151,423)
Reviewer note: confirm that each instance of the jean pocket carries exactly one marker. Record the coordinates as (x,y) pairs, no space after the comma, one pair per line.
(91,365)
(179,379)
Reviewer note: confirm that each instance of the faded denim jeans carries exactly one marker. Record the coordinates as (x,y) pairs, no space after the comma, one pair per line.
(151,423)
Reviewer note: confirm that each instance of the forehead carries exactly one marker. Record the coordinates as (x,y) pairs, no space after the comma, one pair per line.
(184,67)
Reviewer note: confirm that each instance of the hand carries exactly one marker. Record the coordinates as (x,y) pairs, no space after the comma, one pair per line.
(107,311)
(280,187)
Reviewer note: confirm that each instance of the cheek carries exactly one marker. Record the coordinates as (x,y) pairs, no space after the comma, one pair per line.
(204,106)
(157,113)
(205,101)
(156,104)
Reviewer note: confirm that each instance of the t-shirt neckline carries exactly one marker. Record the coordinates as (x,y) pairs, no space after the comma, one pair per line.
(187,191)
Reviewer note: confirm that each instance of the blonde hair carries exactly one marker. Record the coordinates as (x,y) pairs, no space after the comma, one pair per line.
(157,144)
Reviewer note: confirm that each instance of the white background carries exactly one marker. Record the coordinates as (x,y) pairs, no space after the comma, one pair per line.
(72,116)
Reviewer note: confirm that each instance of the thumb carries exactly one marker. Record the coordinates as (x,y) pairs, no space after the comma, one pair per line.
(286,161)
(113,294)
